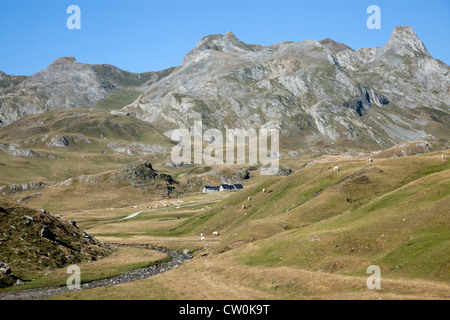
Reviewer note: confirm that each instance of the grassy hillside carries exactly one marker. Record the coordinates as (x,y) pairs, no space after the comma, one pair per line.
(117,100)
(92,124)
(88,134)
(393,212)
(33,240)
(312,235)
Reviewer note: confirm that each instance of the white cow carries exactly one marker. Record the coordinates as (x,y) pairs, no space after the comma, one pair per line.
(202,237)
(215,233)
(370,160)
(443,157)
(264,190)
(249,198)
(336,168)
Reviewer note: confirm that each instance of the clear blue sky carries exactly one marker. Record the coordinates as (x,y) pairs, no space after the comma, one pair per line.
(149,35)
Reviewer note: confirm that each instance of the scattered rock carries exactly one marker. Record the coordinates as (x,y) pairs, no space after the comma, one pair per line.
(5,268)
(25,199)
(82,139)
(18,283)
(282,170)
(293,154)
(15,188)
(59,141)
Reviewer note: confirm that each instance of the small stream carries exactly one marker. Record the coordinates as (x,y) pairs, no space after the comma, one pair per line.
(177,258)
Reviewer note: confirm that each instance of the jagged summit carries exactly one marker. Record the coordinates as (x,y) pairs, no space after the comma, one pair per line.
(303,89)
(334,46)
(314,92)
(65,84)
(404,41)
(226,43)
(63,61)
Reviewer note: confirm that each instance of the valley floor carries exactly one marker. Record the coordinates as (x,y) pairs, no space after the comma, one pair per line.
(312,235)
(220,278)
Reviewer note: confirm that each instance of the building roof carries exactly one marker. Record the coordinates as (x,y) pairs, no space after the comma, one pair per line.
(211,188)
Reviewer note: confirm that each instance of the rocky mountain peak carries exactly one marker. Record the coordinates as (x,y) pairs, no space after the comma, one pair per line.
(334,46)
(404,41)
(230,36)
(227,43)
(311,93)
(63,61)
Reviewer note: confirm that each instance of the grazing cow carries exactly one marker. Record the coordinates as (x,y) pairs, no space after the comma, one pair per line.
(264,190)
(443,157)
(336,168)
(370,160)
(243,207)
(202,237)
(249,198)
(215,233)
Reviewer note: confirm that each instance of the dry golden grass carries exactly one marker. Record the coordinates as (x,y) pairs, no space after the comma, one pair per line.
(308,204)
(176,243)
(220,278)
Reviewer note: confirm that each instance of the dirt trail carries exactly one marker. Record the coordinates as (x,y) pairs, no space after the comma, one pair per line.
(135,214)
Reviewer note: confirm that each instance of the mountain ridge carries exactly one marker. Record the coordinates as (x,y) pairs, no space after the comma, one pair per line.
(303,86)
(319,92)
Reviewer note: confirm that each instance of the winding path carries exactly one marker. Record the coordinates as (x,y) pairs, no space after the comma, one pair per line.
(135,214)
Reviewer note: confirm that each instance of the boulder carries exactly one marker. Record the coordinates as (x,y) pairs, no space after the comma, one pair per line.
(5,268)
(59,141)
(18,283)
(46,233)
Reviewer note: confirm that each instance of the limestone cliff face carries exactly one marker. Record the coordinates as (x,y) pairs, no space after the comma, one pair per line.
(312,91)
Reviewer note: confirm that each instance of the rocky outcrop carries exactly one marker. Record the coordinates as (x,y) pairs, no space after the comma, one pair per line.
(135,148)
(37,239)
(15,150)
(230,176)
(171,164)
(142,175)
(28,197)
(16,188)
(58,141)
(82,139)
(282,170)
